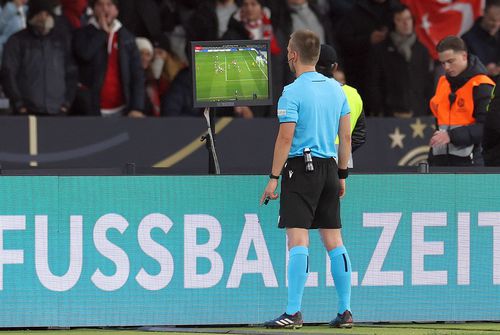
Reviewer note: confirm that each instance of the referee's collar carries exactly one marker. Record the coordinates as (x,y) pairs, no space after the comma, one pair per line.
(307,73)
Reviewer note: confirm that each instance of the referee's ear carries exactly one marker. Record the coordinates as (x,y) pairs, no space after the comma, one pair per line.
(335,67)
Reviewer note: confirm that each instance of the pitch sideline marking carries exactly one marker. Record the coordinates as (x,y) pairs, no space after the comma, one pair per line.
(248,67)
(225,65)
(265,75)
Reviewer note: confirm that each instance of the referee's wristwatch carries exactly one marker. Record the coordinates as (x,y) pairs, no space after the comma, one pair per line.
(271,176)
(343,173)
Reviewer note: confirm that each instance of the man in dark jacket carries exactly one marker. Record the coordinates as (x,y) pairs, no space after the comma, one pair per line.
(288,16)
(38,72)
(459,105)
(142,18)
(111,76)
(210,19)
(483,39)
(178,100)
(366,25)
(400,76)
(491,139)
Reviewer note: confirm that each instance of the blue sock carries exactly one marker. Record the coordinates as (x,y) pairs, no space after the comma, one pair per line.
(297,276)
(341,272)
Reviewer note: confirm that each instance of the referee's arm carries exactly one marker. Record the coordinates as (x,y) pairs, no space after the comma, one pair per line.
(281,151)
(282,146)
(344,141)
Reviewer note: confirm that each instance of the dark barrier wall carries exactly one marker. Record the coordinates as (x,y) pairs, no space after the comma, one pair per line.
(244,146)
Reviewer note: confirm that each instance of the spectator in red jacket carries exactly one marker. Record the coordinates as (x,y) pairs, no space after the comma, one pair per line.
(110,65)
(252,22)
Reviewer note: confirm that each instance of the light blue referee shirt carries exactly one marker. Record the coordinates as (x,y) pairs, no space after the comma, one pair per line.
(315,103)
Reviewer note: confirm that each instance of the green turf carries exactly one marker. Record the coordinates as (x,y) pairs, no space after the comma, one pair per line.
(363,329)
(228,75)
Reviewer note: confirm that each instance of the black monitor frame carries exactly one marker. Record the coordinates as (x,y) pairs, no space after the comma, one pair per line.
(262,44)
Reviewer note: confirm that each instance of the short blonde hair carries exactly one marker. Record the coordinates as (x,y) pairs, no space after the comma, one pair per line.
(307,44)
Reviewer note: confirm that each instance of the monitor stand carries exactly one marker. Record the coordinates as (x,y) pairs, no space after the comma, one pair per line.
(213,161)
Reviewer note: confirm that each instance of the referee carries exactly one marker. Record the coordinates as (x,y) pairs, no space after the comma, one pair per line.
(312,111)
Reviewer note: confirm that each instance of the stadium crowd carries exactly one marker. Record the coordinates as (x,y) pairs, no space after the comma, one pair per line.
(131,57)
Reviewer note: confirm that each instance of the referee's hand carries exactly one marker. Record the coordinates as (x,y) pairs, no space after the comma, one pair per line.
(342,188)
(269,191)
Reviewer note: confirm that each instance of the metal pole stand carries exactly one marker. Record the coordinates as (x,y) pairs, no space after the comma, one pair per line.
(423,167)
(129,169)
(213,161)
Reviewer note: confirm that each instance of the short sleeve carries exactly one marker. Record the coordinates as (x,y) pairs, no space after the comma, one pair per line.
(288,107)
(345,107)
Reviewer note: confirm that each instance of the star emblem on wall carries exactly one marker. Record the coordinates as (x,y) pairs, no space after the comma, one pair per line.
(397,138)
(418,128)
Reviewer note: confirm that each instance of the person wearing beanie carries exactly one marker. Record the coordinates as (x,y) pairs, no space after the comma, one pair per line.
(32,53)
(146,50)
(41,16)
(328,65)
(151,85)
(111,76)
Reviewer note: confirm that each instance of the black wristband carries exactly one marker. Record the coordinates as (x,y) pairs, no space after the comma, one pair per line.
(343,173)
(274,177)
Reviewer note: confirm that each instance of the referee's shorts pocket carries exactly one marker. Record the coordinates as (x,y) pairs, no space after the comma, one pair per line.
(295,179)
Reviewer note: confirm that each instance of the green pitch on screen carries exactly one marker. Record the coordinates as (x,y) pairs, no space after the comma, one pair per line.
(231,75)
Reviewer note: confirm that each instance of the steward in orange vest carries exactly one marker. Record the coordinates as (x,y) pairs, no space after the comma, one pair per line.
(459,105)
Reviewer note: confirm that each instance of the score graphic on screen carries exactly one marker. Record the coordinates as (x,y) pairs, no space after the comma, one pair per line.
(231,73)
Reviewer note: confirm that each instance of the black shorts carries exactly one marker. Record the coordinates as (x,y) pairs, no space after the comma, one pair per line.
(310,200)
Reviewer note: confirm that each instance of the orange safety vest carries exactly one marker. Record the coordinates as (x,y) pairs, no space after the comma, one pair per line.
(461,112)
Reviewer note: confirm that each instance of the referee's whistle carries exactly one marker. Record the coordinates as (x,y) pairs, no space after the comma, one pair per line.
(266,200)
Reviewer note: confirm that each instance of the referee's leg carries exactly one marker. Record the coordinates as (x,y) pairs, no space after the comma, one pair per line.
(341,273)
(298,243)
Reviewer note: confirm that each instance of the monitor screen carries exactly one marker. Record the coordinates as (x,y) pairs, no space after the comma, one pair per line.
(231,73)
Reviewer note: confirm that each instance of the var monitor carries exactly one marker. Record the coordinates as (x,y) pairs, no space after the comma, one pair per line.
(231,73)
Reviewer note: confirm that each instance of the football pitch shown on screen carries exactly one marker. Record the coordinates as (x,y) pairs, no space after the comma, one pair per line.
(231,74)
